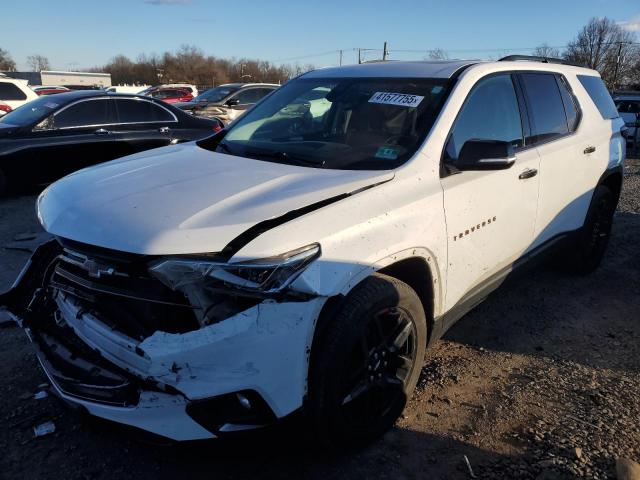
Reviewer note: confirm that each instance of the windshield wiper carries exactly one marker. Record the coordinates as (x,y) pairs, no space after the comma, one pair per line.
(224,147)
(284,157)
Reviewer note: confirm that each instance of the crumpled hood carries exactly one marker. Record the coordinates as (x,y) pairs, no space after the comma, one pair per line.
(184,199)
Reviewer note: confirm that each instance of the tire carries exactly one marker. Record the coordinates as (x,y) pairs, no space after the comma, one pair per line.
(359,381)
(593,238)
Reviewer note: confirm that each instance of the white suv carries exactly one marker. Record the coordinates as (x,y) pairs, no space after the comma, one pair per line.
(15,92)
(305,257)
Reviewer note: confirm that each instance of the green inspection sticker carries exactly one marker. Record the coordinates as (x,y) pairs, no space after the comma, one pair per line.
(388,153)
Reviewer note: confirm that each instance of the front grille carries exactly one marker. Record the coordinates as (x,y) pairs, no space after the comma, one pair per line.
(117,288)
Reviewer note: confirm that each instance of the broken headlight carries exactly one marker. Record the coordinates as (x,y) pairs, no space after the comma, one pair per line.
(268,275)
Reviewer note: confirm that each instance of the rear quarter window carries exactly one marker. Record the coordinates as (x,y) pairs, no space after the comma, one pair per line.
(600,95)
(8,91)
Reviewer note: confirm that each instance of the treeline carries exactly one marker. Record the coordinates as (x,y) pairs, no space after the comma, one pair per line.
(190,65)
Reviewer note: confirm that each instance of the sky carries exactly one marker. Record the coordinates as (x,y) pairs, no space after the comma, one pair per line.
(87,33)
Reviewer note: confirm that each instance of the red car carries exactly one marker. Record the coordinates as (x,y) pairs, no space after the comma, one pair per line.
(172,95)
(4,108)
(50,90)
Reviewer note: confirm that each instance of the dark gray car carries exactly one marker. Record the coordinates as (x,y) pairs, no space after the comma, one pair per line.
(227,102)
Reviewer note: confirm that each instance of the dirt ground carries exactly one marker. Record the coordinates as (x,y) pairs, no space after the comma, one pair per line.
(541,381)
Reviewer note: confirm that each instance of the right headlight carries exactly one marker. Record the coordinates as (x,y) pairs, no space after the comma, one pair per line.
(267,275)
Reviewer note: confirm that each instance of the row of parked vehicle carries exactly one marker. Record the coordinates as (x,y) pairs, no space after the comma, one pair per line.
(47,132)
(225,102)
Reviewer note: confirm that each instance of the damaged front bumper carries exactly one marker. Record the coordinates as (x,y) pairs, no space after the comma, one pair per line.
(240,373)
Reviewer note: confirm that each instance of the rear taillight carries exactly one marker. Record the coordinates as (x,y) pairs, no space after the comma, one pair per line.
(5,108)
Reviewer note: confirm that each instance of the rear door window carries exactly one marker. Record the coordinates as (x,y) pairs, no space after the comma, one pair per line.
(628,106)
(546,109)
(600,95)
(490,112)
(8,91)
(250,96)
(131,110)
(88,113)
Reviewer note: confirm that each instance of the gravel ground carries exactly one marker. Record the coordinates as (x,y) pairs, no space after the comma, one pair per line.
(541,381)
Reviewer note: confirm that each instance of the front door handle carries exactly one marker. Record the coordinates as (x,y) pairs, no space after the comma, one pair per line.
(528,173)
(589,150)
(102,131)
(163,129)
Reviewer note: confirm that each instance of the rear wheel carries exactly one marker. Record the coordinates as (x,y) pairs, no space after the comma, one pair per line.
(367,363)
(593,238)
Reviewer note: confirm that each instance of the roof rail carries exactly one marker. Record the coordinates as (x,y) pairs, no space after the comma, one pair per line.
(533,58)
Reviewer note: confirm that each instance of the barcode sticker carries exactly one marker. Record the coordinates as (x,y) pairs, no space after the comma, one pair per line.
(398,99)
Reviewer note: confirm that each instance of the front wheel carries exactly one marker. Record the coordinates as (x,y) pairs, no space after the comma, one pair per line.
(366,365)
(593,238)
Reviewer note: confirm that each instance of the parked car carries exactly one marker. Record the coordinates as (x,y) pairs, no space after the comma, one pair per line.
(628,106)
(53,136)
(171,95)
(49,90)
(15,92)
(4,109)
(304,259)
(186,86)
(228,102)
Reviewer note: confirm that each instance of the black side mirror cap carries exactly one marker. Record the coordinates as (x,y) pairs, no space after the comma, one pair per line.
(232,102)
(478,154)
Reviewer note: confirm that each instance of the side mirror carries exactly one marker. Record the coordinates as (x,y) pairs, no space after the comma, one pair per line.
(485,155)
(232,102)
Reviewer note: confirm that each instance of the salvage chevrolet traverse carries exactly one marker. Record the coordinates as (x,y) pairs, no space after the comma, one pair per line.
(306,257)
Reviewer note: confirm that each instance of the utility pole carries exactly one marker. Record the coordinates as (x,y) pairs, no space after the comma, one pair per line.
(385,52)
(340,57)
(359,56)
(615,72)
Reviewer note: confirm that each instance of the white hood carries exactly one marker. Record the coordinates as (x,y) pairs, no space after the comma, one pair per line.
(184,199)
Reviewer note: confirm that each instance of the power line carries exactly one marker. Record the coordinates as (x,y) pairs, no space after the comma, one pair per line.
(390,51)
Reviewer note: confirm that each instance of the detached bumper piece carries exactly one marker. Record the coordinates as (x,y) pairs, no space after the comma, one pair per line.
(79,372)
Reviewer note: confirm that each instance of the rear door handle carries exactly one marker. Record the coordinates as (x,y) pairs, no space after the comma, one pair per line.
(589,150)
(528,173)
(163,129)
(102,131)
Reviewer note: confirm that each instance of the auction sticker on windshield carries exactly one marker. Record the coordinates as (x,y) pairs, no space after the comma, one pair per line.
(398,99)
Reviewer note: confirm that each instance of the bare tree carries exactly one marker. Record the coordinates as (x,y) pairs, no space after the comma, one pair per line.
(546,51)
(605,46)
(189,64)
(437,54)
(38,63)
(6,62)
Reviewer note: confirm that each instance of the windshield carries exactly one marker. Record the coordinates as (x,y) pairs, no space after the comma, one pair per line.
(628,106)
(215,94)
(339,123)
(31,112)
